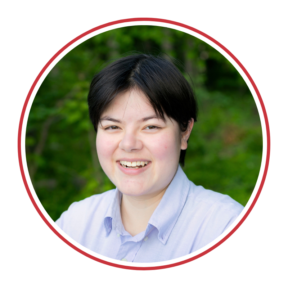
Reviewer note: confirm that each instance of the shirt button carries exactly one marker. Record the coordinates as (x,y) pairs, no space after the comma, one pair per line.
(146,238)
(124,259)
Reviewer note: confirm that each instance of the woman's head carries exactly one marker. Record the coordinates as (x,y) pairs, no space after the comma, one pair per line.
(143,110)
(162,83)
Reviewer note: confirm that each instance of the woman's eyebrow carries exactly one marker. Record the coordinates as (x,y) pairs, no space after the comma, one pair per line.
(107,118)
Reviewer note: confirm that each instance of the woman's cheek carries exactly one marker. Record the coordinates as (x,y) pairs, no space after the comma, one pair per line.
(165,147)
(105,146)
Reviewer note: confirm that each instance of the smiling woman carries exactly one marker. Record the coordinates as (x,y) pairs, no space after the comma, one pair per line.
(143,111)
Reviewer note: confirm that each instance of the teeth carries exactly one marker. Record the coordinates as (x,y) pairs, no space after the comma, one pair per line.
(134,164)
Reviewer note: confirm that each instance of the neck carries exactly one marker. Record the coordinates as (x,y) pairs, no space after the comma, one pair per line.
(137,210)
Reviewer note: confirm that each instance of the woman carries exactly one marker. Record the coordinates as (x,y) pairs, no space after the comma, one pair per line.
(143,111)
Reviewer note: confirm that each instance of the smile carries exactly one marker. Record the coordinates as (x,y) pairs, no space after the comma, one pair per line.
(133,165)
(130,169)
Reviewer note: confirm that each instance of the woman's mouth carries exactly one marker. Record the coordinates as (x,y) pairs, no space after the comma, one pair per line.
(133,165)
(133,170)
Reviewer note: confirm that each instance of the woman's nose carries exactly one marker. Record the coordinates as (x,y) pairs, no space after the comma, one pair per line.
(130,142)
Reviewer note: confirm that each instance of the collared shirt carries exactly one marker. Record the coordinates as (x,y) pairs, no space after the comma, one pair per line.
(187,218)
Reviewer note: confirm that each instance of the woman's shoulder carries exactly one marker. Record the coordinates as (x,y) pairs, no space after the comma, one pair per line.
(94,200)
(207,214)
(213,202)
(80,211)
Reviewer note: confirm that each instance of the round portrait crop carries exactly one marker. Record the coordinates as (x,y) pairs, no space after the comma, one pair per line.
(143,110)
(144,113)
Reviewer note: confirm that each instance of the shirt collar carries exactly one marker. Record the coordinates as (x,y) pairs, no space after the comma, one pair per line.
(112,218)
(169,209)
(165,215)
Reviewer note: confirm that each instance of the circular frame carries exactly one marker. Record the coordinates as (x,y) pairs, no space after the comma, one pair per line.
(161,266)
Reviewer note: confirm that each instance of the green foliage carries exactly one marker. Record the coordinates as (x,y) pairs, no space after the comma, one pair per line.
(225,146)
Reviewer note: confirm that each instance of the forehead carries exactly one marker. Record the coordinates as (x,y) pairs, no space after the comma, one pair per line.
(133,106)
(129,103)
(134,98)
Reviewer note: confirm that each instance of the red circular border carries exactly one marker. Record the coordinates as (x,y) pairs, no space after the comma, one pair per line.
(161,21)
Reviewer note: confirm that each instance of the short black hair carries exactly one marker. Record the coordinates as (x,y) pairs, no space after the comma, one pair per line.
(163,84)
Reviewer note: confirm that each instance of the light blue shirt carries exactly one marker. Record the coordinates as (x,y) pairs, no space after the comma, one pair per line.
(187,218)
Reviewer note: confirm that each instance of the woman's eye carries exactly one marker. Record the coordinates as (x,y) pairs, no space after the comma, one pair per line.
(151,127)
(111,128)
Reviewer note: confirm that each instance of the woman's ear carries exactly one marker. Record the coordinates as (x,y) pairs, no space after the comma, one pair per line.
(186,134)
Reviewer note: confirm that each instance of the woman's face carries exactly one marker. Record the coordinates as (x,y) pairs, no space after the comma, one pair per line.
(138,151)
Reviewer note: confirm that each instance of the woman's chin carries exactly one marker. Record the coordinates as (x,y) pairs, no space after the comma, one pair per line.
(132,189)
